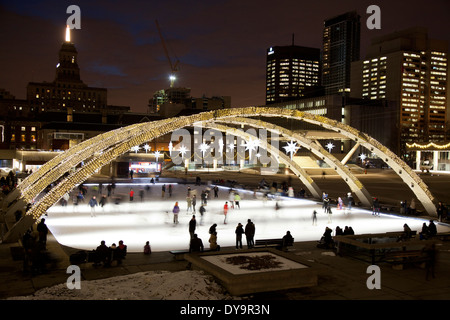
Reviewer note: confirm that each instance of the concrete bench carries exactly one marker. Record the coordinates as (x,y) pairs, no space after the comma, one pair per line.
(272,243)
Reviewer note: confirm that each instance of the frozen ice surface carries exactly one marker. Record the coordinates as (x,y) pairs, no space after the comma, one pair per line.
(152,219)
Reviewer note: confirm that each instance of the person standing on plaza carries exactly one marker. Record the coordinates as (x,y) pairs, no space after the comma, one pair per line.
(42,229)
(225,212)
(192,226)
(175,211)
(239,231)
(93,203)
(250,233)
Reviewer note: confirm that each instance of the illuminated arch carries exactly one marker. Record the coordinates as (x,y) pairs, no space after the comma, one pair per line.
(100,151)
(281,157)
(353,182)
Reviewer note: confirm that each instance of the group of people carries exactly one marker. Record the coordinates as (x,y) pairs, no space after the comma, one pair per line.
(342,203)
(196,243)
(104,255)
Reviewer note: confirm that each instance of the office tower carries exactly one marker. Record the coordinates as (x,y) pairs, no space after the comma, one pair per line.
(292,72)
(411,69)
(341,42)
(67,92)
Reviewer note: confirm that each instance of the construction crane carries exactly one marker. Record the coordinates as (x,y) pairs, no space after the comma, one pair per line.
(173,66)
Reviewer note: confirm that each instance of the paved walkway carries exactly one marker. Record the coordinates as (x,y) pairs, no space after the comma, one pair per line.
(340,278)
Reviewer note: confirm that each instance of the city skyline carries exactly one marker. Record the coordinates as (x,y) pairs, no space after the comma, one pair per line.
(221,46)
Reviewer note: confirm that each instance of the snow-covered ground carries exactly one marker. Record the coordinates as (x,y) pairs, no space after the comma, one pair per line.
(152,219)
(152,285)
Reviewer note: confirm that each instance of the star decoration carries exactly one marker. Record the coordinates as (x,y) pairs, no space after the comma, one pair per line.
(135,149)
(157,154)
(183,150)
(203,147)
(362,156)
(291,148)
(147,148)
(329,146)
(231,146)
(251,145)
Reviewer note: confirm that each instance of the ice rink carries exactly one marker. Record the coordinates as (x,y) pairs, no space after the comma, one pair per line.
(151,219)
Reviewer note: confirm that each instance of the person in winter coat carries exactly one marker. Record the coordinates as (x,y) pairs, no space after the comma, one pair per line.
(239,232)
(175,211)
(250,233)
(192,226)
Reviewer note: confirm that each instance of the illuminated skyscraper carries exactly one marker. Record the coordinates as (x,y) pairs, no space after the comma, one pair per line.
(341,46)
(411,69)
(292,72)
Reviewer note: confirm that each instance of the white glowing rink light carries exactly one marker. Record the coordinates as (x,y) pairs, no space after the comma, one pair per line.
(152,220)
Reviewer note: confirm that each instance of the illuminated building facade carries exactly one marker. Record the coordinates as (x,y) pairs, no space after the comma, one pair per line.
(292,72)
(341,46)
(67,92)
(411,69)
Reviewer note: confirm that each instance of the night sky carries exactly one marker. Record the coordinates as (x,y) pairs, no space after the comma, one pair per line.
(221,45)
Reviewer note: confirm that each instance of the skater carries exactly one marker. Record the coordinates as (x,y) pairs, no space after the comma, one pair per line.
(225,212)
(239,231)
(202,212)
(376,207)
(314,218)
(216,192)
(189,204)
(131,194)
(349,201)
(237,198)
(102,201)
(326,204)
(250,233)
(194,202)
(175,211)
(163,190)
(192,226)
(340,204)
(170,191)
(231,199)
(93,203)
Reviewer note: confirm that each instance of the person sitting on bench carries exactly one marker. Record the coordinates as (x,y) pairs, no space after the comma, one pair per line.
(287,240)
